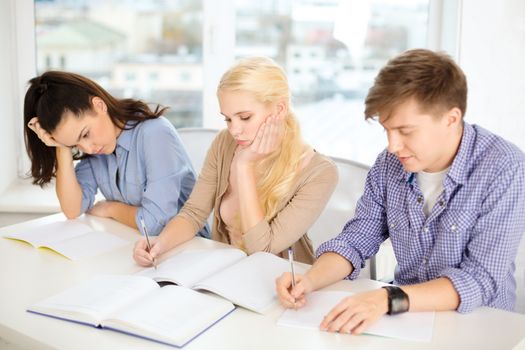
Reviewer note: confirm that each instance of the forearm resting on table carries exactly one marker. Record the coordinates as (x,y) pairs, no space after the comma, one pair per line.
(328,269)
(124,213)
(434,295)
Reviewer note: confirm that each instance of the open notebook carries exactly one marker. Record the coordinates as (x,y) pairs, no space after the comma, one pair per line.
(246,281)
(138,306)
(173,314)
(416,326)
(70,238)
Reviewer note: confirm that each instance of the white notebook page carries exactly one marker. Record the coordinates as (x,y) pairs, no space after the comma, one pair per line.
(54,232)
(96,298)
(250,282)
(171,314)
(190,266)
(417,326)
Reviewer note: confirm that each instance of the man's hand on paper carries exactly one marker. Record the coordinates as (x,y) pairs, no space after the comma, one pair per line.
(354,314)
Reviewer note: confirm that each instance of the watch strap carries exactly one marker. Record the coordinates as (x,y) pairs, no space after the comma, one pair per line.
(398,301)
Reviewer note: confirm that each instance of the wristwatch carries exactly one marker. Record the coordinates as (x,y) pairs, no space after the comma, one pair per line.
(397,300)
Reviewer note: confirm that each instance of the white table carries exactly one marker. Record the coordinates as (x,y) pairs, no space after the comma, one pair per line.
(28,275)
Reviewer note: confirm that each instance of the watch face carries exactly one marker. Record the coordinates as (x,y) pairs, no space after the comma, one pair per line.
(398,304)
(397,300)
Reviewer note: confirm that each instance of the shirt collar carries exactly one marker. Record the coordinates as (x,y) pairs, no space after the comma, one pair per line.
(125,137)
(458,170)
(407,176)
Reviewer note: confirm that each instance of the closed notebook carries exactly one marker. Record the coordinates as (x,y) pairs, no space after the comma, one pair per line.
(138,306)
(247,281)
(415,326)
(70,238)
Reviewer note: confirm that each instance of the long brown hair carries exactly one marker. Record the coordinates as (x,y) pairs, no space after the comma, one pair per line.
(52,94)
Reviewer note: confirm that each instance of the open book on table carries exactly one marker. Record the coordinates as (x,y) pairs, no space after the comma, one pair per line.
(173,314)
(138,306)
(416,326)
(247,281)
(70,238)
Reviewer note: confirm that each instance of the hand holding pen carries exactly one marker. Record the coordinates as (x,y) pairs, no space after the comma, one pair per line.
(145,230)
(292,288)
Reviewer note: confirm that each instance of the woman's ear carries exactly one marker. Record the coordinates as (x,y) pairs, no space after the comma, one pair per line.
(99,105)
(281,108)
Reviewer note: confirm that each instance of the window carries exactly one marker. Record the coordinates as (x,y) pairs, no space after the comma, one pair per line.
(130,56)
(156,51)
(332,51)
(62,62)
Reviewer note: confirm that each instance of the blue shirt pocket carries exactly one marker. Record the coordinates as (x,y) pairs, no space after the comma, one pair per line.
(455,230)
(399,230)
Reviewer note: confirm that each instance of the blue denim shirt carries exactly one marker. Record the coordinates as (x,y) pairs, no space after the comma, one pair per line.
(149,169)
(471,235)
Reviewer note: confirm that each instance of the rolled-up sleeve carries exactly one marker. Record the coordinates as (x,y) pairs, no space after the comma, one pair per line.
(168,174)
(88,184)
(363,234)
(493,246)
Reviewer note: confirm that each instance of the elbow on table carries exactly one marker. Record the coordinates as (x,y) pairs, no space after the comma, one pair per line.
(71,213)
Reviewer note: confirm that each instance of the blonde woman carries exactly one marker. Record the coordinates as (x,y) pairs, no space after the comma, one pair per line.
(264,184)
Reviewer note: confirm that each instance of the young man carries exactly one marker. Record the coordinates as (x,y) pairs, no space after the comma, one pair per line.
(449,195)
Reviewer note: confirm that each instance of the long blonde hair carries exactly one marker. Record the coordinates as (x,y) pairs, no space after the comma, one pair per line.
(267,81)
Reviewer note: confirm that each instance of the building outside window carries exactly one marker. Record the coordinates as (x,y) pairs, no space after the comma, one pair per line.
(153,50)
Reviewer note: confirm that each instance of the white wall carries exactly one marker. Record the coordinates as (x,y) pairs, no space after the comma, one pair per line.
(492,54)
(17,66)
(8,106)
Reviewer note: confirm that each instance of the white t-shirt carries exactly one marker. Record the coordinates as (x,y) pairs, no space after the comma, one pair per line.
(431,185)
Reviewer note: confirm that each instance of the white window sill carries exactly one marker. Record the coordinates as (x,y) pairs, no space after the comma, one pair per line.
(23,197)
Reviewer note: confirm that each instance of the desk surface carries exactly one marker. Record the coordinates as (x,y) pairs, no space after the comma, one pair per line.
(28,275)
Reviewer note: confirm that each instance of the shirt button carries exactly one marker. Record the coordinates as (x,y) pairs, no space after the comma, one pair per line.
(453,228)
(419,199)
(425,261)
(425,230)
(441,203)
(392,226)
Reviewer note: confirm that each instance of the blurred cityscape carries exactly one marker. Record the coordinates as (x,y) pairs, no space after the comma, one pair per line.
(152,50)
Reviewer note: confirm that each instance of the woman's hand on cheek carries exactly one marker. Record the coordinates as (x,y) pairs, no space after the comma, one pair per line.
(266,141)
(272,139)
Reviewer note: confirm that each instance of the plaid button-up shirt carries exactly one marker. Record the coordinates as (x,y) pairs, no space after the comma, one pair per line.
(471,235)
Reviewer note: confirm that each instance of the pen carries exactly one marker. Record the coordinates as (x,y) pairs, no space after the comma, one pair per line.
(147,240)
(290,258)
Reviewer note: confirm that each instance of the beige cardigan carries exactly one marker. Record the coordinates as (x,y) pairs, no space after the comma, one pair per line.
(298,210)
